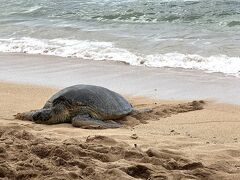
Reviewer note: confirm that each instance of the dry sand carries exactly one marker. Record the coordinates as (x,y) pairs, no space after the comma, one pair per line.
(178,140)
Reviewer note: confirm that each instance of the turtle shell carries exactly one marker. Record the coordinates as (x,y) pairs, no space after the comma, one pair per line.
(102,100)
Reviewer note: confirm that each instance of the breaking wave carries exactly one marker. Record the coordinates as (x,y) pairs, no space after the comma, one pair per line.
(93,50)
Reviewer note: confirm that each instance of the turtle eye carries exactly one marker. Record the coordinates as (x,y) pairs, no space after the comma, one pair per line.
(36,116)
(42,116)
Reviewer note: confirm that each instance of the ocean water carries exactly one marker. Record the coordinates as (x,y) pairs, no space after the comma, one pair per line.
(189,34)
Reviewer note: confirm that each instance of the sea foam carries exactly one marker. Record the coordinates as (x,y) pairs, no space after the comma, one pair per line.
(93,50)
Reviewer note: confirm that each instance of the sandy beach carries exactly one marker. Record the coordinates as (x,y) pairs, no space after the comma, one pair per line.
(175,62)
(172,142)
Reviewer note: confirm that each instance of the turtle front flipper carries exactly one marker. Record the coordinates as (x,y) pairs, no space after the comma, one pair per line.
(87,122)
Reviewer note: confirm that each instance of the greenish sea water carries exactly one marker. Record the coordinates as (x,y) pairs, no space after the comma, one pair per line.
(191,34)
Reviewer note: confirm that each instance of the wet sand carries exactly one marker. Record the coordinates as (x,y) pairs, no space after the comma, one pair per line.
(177,140)
(157,83)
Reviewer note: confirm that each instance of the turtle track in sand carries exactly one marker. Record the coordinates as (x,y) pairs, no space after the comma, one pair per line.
(161,111)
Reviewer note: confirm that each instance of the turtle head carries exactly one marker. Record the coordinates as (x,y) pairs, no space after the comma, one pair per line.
(42,116)
(57,113)
(54,115)
(39,116)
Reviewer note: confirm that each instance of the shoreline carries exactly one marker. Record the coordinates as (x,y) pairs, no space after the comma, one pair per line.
(156,83)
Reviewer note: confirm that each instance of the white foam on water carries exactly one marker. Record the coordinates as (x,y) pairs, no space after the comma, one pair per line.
(93,50)
(32,9)
(68,48)
(218,63)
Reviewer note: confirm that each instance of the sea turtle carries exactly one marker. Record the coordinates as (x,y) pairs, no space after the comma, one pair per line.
(85,106)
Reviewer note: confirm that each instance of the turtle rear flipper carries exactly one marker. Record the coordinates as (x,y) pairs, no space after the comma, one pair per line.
(141,111)
(87,122)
